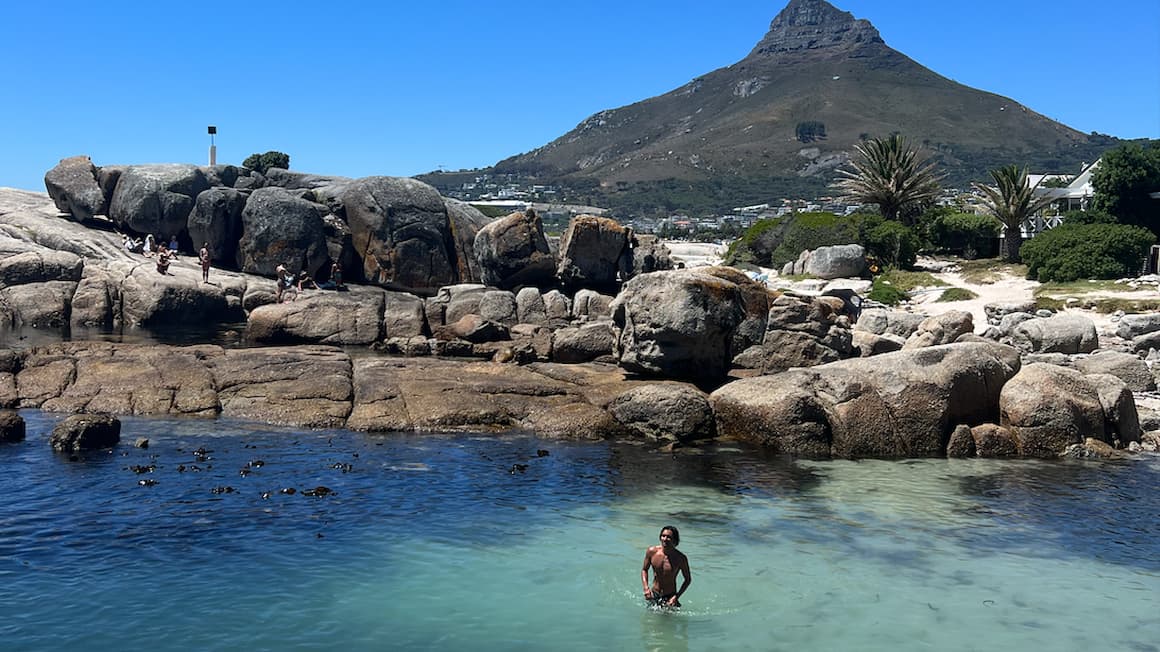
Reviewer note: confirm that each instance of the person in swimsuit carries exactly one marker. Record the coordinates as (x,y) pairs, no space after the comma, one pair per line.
(204,258)
(163,261)
(666,562)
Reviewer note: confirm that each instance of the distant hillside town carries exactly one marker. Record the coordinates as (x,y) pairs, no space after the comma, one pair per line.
(500,194)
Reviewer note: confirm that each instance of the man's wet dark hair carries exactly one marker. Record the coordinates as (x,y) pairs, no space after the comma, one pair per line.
(676,534)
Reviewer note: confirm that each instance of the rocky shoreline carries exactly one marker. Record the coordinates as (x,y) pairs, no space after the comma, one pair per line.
(590,338)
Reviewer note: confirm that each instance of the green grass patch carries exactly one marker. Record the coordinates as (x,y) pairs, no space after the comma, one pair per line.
(990,270)
(956,294)
(886,293)
(1084,286)
(1104,305)
(1110,305)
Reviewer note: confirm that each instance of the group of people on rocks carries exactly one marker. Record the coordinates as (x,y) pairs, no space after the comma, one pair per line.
(148,246)
(286,281)
(290,284)
(165,254)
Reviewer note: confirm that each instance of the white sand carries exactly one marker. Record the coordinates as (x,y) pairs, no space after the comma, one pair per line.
(1012,289)
(695,254)
(1008,289)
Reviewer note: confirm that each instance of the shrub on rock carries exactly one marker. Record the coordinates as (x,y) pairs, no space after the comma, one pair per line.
(263,162)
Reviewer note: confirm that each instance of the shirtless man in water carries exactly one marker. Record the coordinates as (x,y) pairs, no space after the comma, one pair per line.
(665,561)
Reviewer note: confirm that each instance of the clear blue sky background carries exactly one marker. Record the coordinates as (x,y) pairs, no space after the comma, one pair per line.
(400,88)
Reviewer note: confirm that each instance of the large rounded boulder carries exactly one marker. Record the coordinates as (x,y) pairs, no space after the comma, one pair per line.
(837,261)
(800,332)
(217,219)
(279,227)
(156,198)
(466,221)
(647,253)
(665,412)
(74,188)
(513,251)
(592,252)
(755,301)
(678,324)
(1062,333)
(401,229)
(338,318)
(1048,408)
(901,404)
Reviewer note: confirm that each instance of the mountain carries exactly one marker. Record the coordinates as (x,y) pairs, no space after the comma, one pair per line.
(789,113)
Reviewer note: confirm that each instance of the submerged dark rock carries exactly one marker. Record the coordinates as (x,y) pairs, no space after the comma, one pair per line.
(82,432)
(12,428)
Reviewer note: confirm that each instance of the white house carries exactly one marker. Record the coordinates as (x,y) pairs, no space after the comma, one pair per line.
(1075,196)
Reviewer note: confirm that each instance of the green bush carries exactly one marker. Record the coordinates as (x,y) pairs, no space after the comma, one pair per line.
(263,162)
(971,235)
(892,243)
(1088,217)
(883,292)
(756,244)
(1070,252)
(956,294)
(813,230)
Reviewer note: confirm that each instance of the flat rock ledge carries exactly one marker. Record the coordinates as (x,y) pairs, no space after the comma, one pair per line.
(902,404)
(316,386)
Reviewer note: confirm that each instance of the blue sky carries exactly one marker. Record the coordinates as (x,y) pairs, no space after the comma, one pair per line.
(400,88)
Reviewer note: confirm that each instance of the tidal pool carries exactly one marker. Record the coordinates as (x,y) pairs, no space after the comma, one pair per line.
(445,542)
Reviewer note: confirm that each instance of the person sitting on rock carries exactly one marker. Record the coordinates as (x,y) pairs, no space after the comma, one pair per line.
(163,261)
(285,281)
(335,280)
(150,244)
(304,281)
(173,246)
(131,245)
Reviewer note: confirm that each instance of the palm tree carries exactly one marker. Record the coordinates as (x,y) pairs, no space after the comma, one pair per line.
(1012,200)
(889,172)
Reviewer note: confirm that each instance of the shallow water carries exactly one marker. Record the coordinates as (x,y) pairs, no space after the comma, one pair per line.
(436,542)
(230,334)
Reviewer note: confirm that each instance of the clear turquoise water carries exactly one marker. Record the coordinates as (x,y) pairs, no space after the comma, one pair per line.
(431,542)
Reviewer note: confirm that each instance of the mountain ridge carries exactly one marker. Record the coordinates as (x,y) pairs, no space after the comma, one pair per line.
(791,111)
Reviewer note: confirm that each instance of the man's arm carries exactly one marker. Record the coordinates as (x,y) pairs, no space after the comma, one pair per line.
(688,579)
(644,573)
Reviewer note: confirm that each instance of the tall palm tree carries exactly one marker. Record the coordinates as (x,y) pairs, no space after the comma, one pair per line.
(890,173)
(1012,200)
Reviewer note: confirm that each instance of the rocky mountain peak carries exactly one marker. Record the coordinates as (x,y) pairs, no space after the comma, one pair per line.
(814,25)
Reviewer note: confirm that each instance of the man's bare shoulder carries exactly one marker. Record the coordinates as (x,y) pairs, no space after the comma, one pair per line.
(652,550)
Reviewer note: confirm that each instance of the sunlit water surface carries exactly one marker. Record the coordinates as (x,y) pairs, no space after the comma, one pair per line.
(437,542)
